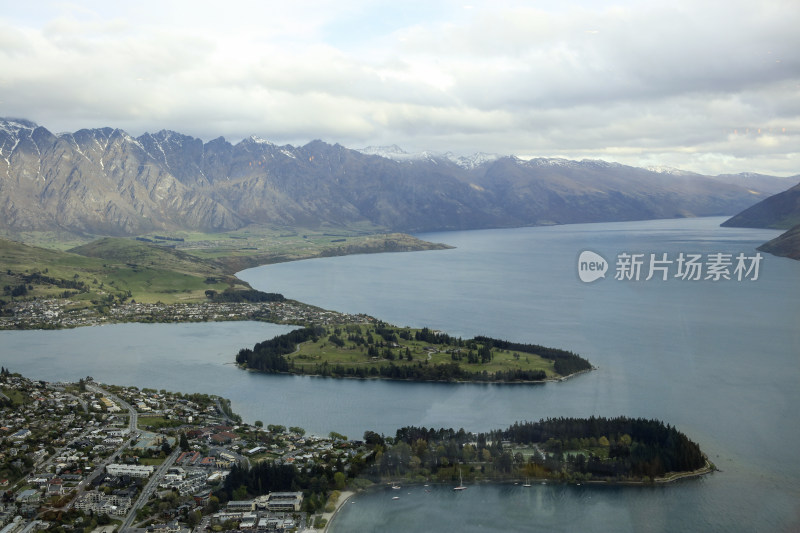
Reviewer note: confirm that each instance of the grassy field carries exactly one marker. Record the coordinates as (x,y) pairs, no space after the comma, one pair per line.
(170,268)
(157,422)
(261,245)
(106,271)
(15,396)
(404,349)
(256,244)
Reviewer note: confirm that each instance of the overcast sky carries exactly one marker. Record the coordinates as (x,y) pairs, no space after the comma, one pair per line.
(700,85)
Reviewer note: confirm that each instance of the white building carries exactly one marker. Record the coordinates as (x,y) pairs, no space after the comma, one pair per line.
(130,470)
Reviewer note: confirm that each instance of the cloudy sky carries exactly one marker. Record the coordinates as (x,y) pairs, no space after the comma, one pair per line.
(701,85)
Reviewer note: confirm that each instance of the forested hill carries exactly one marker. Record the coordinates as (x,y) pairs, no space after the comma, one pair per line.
(593,450)
(567,448)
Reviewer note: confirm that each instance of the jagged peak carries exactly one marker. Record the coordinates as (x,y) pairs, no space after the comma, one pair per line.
(258,140)
(15,125)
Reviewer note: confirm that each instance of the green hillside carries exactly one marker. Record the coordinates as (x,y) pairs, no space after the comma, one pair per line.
(107,271)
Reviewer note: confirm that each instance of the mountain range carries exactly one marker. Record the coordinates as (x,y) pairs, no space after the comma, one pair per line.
(780,211)
(105,182)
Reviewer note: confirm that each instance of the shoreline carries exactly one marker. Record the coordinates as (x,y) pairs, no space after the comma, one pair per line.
(454,382)
(344,497)
(672,477)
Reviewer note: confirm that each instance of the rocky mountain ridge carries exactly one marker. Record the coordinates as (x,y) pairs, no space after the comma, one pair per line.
(104,181)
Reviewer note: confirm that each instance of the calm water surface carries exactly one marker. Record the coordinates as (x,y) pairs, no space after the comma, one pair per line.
(718,360)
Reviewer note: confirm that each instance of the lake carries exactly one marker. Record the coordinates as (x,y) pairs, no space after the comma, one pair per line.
(719,360)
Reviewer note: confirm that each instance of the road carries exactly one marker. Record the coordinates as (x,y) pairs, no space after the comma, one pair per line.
(132,437)
(149,489)
(133,415)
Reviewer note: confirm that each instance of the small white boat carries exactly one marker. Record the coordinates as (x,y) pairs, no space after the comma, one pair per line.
(460,482)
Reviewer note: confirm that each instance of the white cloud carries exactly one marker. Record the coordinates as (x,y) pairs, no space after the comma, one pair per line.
(632,81)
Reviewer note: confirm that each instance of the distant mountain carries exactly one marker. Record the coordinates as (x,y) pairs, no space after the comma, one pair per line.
(779,211)
(785,245)
(104,181)
(396,153)
(758,182)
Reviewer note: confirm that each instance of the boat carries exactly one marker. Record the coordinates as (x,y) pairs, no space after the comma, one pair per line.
(460,482)
(526,484)
(395,486)
(395,497)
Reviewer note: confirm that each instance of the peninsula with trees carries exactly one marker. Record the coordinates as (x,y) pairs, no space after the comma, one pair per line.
(375,349)
(99,460)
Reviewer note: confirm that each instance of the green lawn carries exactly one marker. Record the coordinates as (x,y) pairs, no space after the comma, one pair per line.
(157,422)
(310,354)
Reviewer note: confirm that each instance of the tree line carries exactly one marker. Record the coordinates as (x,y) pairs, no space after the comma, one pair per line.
(564,449)
(565,362)
(421,371)
(230,295)
(269,356)
(597,447)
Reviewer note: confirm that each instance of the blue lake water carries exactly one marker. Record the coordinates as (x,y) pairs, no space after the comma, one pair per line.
(720,360)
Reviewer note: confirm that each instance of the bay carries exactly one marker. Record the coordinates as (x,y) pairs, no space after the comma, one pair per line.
(717,359)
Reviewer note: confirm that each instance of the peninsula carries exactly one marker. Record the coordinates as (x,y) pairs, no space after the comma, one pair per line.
(175,277)
(374,349)
(191,278)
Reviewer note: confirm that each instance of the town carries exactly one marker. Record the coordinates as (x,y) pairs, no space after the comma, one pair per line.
(56,313)
(83,457)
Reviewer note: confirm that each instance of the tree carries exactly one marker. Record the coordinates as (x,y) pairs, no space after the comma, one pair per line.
(339,480)
(469,453)
(213,504)
(240,493)
(373,439)
(193,518)
(184,442)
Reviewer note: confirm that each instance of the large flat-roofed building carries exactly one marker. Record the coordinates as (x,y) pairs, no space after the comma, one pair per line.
(130,470)
(284,501)
(240,506)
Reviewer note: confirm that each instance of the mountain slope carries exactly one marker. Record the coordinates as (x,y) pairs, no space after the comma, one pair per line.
(780,211)
(785,245)
(105,182)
